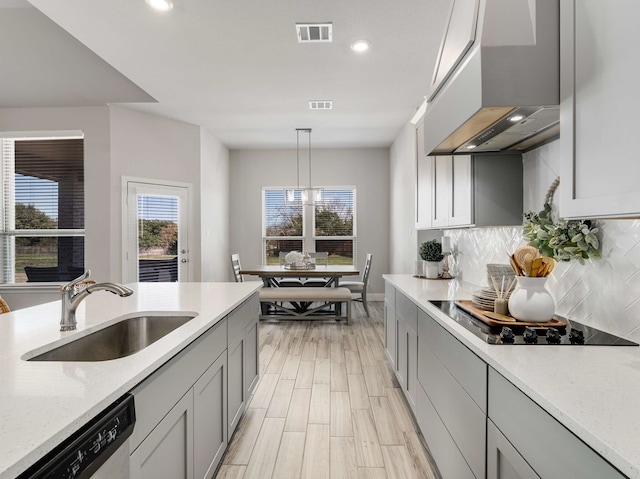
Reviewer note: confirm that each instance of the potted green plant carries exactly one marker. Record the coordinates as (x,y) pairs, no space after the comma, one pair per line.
(431,254)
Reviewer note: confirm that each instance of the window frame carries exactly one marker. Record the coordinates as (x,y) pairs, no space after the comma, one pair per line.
(309,236)
(8,231)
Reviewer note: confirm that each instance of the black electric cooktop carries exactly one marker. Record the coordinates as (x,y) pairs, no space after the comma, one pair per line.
(574,333)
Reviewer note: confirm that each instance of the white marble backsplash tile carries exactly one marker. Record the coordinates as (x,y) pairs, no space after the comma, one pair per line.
(604,293)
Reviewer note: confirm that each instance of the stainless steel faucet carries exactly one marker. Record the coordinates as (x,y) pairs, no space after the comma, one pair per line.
(71,298)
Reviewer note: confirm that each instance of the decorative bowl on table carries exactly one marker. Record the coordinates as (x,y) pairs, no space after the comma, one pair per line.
(300,266)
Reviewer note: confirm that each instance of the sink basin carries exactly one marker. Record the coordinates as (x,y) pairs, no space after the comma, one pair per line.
(121,339)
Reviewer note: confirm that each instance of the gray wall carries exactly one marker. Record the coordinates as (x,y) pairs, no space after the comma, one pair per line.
(365,168)
(122,142)
(402,178)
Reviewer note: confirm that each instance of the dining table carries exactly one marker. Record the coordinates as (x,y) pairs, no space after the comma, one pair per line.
(272,274)
(321,275)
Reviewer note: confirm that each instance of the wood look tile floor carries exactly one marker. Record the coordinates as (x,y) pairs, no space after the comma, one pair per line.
(327,406)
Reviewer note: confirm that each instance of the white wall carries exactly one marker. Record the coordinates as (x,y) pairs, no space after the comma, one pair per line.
(94,122)
(365,168)
(153,147)
(403,173)
(214,186)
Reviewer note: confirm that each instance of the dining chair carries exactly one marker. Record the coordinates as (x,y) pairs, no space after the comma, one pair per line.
(235,264)
(360,287)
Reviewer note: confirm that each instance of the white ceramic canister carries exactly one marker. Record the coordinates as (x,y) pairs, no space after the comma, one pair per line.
(531,301)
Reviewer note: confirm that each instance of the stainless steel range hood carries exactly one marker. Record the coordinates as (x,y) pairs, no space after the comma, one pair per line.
(496,83)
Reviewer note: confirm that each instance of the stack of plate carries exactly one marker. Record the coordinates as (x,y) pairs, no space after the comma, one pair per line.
(483,298)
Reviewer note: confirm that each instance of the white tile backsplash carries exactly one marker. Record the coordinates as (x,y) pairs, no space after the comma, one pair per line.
(604,293)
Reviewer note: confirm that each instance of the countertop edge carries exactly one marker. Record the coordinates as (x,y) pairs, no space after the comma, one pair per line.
(136,378)
(481,349)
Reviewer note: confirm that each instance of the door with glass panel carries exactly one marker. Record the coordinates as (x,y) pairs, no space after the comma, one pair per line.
(156,233)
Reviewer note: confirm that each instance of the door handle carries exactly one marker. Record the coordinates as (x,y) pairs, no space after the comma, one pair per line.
(184,260)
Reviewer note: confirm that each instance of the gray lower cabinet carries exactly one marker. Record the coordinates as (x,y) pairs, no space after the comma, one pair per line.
(452,379)
(168,450)
(210,410)
(242,353)
(407,346)
(188,409)
(503,460)
(549,448)
(390,326)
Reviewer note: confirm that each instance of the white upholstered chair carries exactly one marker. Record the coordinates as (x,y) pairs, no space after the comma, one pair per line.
(360,287)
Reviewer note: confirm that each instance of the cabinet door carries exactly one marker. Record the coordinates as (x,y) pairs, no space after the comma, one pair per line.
(236,392)
(599,166)
(402,353)
(210,418)
(251,358)
(167,452)
(424,186)
(441,190)
(390,332)
(503,460)
(461,184)
(412,367)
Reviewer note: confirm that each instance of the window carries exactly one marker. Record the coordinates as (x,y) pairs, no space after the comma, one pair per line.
(327,225)
(42,224)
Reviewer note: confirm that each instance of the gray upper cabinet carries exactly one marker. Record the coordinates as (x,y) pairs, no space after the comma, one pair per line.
(478,190)
(599,168)
(458,38)
(424,193)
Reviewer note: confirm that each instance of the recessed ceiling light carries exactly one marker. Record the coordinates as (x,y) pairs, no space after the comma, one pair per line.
(470,147)
(516,118)
(161,5)
(360,46)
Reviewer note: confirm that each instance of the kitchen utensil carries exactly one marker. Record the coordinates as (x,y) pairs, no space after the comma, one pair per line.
(536,266)
(515,265)
(524,252)
(498,316)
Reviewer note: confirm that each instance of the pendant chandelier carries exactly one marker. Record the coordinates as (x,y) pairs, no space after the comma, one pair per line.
(309,195)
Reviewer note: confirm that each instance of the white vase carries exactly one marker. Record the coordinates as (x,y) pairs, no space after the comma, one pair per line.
(432,269)
(531,301)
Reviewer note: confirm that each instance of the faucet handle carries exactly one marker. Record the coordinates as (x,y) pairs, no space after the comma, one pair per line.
(70,285)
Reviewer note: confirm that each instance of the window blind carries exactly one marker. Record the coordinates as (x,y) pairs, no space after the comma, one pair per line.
(43,205)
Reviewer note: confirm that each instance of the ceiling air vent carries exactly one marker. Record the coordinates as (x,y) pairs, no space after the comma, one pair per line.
(320,105)
(314,32)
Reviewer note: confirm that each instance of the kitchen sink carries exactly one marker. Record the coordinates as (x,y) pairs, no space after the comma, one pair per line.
(121,339)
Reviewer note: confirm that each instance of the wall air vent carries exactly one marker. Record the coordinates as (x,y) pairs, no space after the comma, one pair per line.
(320,105)
(314,32)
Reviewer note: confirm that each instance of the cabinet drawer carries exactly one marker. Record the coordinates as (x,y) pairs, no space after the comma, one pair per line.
(467,368)
(157,394)
(390,294)
(447,456)
(407,310)
(463,419)
(240,318)
(549,448)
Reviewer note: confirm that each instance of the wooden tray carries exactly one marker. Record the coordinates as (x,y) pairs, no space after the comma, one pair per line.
(469,307)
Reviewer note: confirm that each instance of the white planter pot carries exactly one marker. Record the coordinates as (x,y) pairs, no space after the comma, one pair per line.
(432,269)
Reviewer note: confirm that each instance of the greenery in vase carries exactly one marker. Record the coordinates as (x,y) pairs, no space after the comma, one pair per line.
(431,251)
(563,240)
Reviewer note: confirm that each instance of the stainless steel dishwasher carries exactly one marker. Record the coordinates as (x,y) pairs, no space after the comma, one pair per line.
(99,450)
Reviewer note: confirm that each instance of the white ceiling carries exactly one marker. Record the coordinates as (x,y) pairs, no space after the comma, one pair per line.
(232,66)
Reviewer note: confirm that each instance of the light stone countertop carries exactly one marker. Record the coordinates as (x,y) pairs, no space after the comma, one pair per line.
(592,390)
(42,403)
